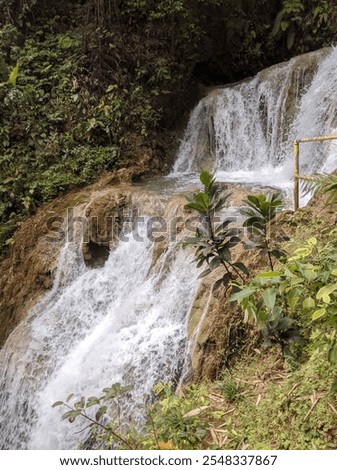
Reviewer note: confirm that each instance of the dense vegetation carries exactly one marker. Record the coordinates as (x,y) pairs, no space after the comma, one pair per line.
(78,79)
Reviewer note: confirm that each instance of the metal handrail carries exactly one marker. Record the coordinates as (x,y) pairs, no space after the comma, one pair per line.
(297,176)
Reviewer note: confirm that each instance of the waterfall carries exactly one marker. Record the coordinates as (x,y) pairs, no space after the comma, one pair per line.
(127,321)
(245,132)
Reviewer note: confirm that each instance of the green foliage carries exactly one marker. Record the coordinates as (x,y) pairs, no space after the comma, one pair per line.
(288,19)
(306,24)
(300,294)
(260,214)
(103,429)
(294,413)
(173,422)
(71,81)
(46,143)
(324,184)
(276,409)
(213,242)
(6,232)
(3,70)
(228,387)
(13,76)
(180,421)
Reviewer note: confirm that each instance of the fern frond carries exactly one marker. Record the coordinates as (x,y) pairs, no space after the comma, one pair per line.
(322,183)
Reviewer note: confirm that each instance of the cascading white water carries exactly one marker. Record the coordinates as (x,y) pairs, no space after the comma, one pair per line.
(245,132)
(125,322)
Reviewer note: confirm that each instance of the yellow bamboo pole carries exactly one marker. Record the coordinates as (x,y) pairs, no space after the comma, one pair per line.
(297,176)
(318,139)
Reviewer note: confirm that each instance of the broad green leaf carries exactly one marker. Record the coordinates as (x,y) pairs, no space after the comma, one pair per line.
(269,297)
(309,273)
(14,74)
(202,199)
(223,226)
(226,279)
(332,353)
(102,410)
(293,297)
(69,397)
(195,206)
(318,313)
(309,303)
(92,401)
(278,253)
(217,285)
(57,403)
(324,293)
(300,253)
(277,23)
(291,39)
(206,178)
(256,223)
(246,292)
(284,25)
(312,242)
(268,275)
(242,267)
(296,281)
(215,263)
(204,273)
(71,415)
(284,285)
(267,278)
(80,404)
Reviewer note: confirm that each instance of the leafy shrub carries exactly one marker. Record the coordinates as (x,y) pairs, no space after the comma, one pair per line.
(213,242)
(103,429)
(260,214)
(306,24)
(294,298)
(180,421)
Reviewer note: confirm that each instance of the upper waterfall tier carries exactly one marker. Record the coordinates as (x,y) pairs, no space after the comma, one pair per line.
(247,129)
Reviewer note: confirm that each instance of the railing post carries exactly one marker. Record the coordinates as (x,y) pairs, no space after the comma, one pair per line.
(296,175)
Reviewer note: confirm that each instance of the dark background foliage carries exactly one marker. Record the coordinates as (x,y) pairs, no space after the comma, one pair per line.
(77,78)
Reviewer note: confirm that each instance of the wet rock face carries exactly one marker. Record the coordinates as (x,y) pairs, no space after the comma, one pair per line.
(26,274)
(104,216)
(95,256)
(30,270)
